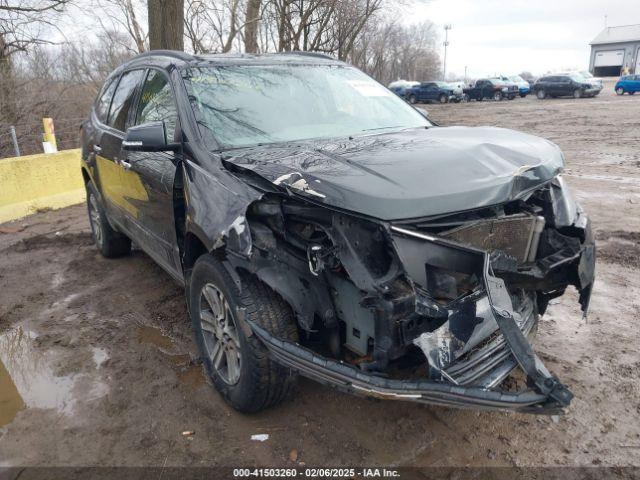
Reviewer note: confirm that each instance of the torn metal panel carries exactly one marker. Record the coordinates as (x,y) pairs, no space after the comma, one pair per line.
(216,204)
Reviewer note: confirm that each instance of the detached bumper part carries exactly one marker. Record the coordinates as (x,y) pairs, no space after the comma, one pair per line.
(350,379)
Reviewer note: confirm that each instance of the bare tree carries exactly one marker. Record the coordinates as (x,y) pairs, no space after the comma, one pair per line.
(124,16)
(252,23)
(390,50)
(22,25)
(166,24)
(220,26)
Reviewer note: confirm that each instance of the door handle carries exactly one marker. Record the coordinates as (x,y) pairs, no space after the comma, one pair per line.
(97,148)
(125,165)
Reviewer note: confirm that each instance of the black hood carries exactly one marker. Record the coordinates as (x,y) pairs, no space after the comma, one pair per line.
(409,174)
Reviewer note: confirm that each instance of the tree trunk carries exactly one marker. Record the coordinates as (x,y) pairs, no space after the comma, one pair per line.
(252,22)
(7,103)
(166,24)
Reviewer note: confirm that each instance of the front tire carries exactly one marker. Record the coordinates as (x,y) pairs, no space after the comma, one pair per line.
(111,243)
(620,91)
(577,93)
(413,99)
(497,96)
(238,365)
(442,98)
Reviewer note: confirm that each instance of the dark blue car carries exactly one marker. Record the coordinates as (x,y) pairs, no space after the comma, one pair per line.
(628,84)
(430,92)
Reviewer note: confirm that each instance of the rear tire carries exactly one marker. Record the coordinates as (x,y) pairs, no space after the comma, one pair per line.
(110,242)
(541,94)
(255,382)
(620,91)
(522,95)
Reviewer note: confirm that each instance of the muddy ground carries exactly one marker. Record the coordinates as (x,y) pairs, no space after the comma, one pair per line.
(96,356)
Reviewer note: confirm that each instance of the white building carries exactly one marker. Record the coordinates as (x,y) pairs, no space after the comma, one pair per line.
(615,48)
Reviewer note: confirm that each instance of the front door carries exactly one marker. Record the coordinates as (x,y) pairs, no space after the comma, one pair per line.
(108,147)
(148,177)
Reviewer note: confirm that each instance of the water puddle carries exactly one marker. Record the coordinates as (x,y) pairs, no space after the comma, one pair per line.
(188,374)
(27,379)
(154,336)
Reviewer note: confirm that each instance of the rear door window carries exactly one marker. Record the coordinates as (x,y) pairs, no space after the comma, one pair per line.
(123,99)
(103,102)
(157,103)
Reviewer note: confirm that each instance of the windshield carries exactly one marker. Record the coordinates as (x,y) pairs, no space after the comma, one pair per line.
(577,77)
(517,78)
(243,105)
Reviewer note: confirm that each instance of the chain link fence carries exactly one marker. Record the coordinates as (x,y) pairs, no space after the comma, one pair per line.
(26,138)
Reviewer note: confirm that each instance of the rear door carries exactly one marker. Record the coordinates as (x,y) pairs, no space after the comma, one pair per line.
(565,86)
(487,89)
(110,146)
(635,83)
(553,85)
(148,176)
(105,172)
(430,91)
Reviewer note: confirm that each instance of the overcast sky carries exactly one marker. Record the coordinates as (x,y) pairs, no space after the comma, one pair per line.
(506,37)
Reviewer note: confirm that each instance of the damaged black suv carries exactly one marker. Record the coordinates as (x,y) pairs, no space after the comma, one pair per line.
(322,226)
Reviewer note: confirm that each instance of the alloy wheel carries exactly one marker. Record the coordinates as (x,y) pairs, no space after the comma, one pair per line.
(220,334)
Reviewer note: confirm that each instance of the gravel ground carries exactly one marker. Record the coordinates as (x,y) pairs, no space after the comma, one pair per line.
(96,356)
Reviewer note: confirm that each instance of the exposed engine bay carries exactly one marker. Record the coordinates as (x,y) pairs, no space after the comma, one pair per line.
(435,309)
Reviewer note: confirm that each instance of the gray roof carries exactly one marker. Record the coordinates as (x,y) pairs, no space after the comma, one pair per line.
(623,33)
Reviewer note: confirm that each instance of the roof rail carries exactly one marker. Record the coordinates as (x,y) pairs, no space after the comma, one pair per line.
(309,54)
(166,53)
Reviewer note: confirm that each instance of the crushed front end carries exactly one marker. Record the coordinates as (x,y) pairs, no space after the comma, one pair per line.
(434,310)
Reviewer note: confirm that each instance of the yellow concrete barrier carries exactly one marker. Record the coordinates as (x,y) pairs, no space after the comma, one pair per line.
(35,182)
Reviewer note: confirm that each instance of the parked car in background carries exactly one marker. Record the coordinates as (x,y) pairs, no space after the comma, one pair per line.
(491,88)
(597,82)
(524,88)
(399,87)
(432,92)
(564,85)
(628,84)
(458,88)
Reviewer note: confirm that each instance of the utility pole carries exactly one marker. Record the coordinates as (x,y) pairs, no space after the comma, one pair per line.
(447,27)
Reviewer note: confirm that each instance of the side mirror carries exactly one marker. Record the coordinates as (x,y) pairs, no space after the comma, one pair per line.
(148,137)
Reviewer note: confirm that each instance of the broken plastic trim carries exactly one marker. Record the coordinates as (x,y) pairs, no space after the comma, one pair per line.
(505,317)
(350,379)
